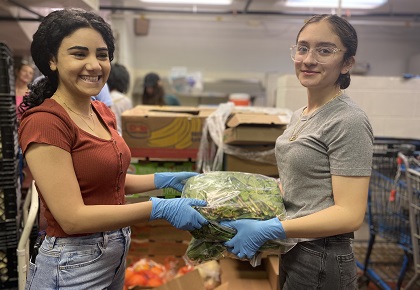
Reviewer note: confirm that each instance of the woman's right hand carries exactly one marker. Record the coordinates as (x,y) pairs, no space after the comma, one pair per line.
(179,212)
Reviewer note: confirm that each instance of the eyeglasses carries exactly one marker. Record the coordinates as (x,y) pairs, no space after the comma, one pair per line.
(322,55)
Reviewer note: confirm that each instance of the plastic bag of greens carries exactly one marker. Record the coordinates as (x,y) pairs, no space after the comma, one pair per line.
(231,196)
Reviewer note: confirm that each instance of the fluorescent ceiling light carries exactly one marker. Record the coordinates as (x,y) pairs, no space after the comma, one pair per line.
(195,2)
(354,4)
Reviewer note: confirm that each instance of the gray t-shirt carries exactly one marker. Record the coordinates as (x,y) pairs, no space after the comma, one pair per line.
(337,140)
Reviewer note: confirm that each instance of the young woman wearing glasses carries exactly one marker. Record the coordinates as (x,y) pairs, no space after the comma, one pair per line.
(324,159)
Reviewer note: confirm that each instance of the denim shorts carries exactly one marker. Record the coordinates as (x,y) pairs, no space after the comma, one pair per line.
(322,264)
(95,261)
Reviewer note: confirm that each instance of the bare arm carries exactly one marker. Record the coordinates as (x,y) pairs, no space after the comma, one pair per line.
(60,189)
(139,183)
(350,197)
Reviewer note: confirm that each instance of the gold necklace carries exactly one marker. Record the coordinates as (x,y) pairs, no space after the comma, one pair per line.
(81,116)
(296,130)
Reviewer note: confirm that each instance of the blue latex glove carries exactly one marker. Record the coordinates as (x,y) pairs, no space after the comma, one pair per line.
(251,235)
(179,212)
(175,180)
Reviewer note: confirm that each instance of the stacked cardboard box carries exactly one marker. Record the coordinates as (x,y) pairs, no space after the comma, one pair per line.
(157,240)
(235,275)
(252,132)
(163,132)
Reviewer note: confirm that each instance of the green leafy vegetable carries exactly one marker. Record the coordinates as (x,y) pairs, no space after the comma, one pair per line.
(230,196)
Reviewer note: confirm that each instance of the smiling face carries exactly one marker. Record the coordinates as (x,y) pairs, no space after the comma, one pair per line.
(312,74)
(82,63)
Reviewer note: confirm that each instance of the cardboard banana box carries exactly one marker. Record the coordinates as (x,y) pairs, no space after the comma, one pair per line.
(164,132)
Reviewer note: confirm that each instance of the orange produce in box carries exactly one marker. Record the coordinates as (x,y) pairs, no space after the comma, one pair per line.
(133,278)
(129,272)
(154,282)
(185,269)
(137,280)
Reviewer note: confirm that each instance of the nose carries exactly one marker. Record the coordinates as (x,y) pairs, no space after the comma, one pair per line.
(92,63)
(310,57)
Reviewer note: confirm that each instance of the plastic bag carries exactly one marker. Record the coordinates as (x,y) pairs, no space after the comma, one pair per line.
(231,196)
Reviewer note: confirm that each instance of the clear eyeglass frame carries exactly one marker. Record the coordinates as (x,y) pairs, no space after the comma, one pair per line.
(317,53)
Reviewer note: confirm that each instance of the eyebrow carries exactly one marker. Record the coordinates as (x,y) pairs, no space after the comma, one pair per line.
(86,49)
(325,43)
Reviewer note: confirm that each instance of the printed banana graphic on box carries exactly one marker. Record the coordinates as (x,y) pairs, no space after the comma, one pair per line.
(178,134)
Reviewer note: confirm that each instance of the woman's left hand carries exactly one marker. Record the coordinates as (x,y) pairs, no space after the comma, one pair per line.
(175,180)
(251,235)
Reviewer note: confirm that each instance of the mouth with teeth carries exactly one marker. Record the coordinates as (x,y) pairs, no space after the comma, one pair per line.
(91,79)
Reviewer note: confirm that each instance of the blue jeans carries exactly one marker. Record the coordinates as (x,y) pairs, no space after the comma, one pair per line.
(95,261)
(322,264)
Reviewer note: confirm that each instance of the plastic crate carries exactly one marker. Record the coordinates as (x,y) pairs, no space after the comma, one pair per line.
(7,72)
(9,203)
(5,48)
(8,165)
(8,272)
(7,100)
(9,232)
(9,142)
(8,116)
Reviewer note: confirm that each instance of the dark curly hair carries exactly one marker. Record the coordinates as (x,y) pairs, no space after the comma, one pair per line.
(45,44)
(348,36)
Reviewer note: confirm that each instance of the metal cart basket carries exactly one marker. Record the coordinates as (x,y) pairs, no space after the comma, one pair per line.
(388,209)
(411,166)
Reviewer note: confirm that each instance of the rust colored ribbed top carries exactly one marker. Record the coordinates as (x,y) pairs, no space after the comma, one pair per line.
(100,165)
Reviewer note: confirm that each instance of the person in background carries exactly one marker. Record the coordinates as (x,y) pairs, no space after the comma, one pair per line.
(118,82)
(104,96)
(79,161)
(325,161)
(154,93)
(23,77)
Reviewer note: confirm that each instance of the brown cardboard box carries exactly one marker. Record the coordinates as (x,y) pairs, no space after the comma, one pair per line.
(272,266)
(247,128)
(157,240)
(240,275)
(164,132)
(159,230)
(233,163)
(133,258)
(189,281)
(148,248)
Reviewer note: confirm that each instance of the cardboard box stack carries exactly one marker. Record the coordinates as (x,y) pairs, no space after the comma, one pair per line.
(157,240)
(168,139)
(161,139)
(252,132)
(235,275)
(163,132)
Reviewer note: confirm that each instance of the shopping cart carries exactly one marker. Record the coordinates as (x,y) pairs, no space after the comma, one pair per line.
(388,209)
(30,214)
(411,165)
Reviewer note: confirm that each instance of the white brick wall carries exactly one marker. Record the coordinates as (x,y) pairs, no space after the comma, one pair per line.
(392,103)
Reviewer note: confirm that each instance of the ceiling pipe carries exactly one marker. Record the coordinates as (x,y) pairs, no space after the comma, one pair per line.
(248,3)
(339,8)
(17,19)
(416,16)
